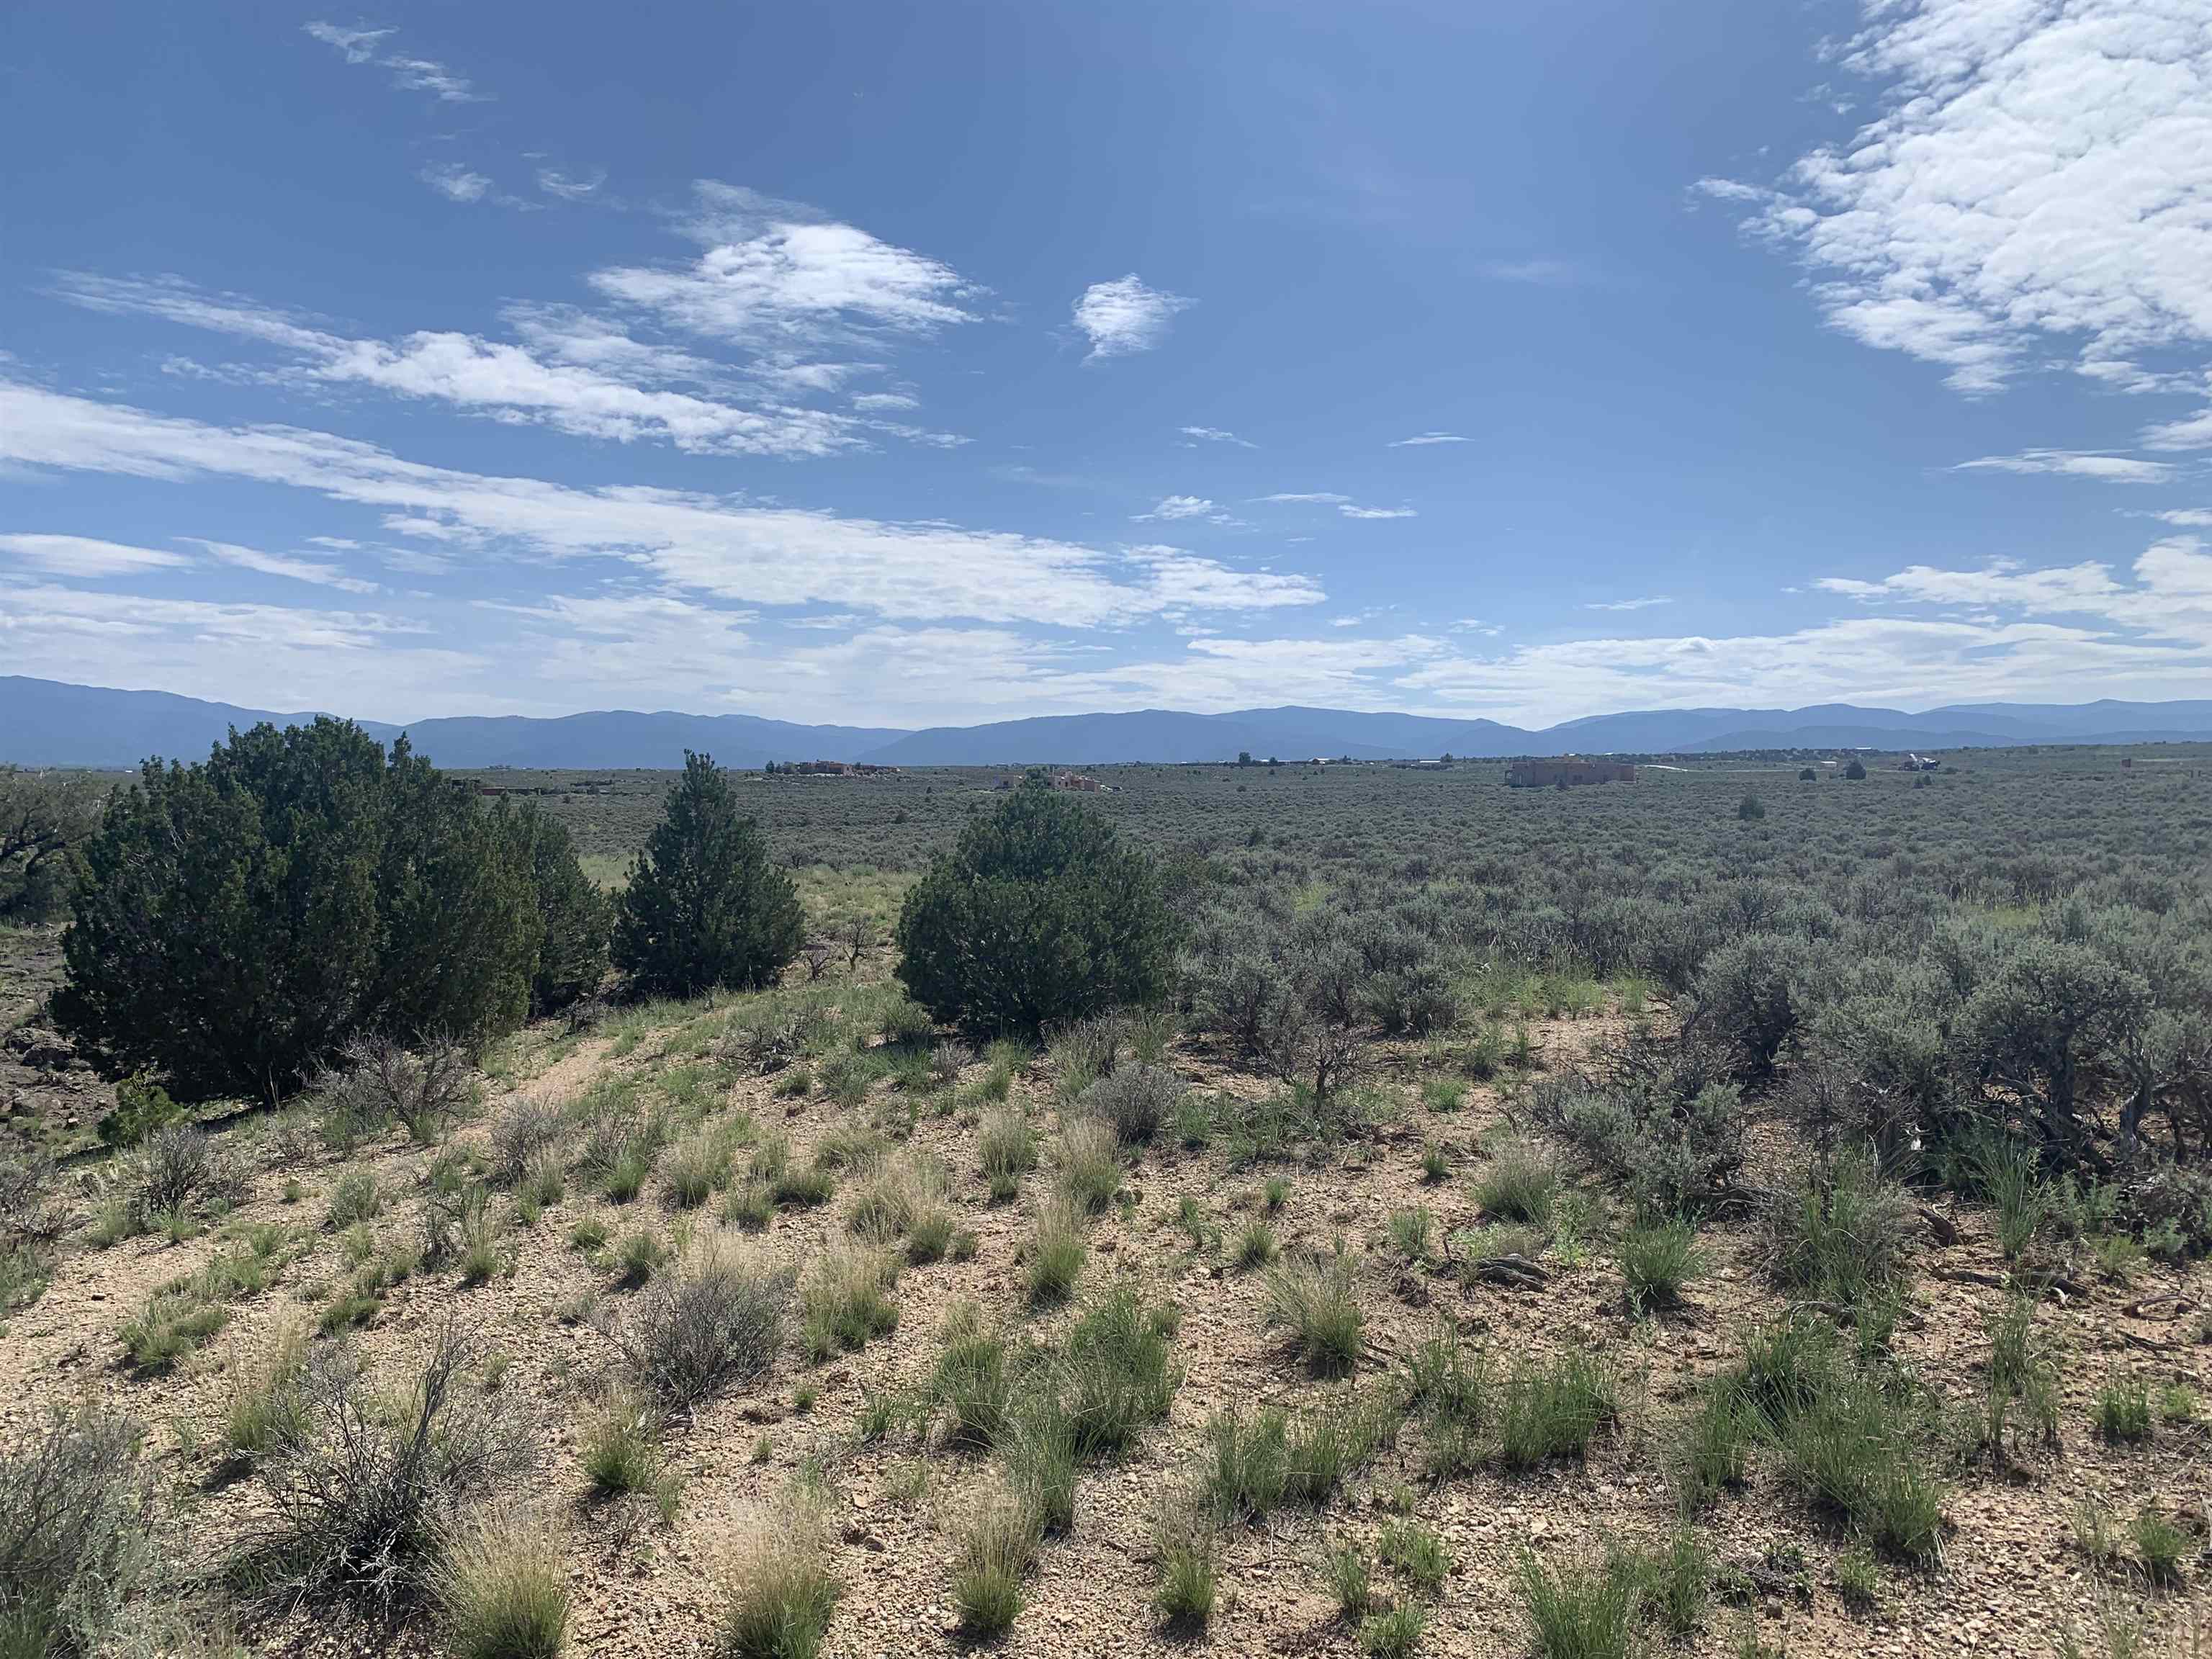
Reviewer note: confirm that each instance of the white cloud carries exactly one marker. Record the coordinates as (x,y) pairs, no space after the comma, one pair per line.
(1214,435)
(1124,316)
(409,74)
(316,571)
(885,400)
(1183,506)
(84,558)
(1344,504)
(1630,604)
(2035,179)
(426,74)
(710,546)
(780,272)
(579,374)
(1541,273)
(2171,597)
(2195,518)
(1419,439)
(2076,464)
(455,182)
(1182,582)
(554,182)
(2191,432)
(358,46)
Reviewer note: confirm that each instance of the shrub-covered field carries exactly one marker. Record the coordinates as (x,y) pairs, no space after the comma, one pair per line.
(1579,1223)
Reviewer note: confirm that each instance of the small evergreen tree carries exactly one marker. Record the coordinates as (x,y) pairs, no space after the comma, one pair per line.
(236,922)
(573,914)
(1856,771)
(704,906)
(1037,915)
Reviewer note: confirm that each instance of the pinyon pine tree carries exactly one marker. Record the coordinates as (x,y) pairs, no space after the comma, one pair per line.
(704,906)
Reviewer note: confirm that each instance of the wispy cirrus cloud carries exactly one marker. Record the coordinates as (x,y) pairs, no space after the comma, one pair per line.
(568,187)
(455,182)
(1344,504)
(366,45)
(318,572)
(708,546)
(1124,317)
(1214,435)
(573,371)
(87,557)
(1421,438)
(2076,464)
(1644,603)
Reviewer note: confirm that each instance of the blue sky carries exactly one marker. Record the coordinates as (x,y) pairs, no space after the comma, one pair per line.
(915,365)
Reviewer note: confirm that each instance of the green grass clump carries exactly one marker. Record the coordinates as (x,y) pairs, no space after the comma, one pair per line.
(1395,1634)
(1055,1254)
(1520,1184)
(354,1197)
(1318,1302)
(503,1589)
(1548,1410)
(622,1452)
(1008,1150)
(1579,1611)
(779,1585)
(993,1550)
(1254,1246)
(1413,1233)
(2159,1545)
(1416,1552)
(2122,1412)
(1344,1569)
(1656,1261)
(1090,1164)
(846,1299)
(1186,1555)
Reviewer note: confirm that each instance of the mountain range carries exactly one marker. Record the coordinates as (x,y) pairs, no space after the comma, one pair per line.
(49,723)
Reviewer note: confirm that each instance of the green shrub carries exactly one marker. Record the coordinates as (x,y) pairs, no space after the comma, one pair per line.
(1135,1100)
(1038,916)
(573,916)
(703,905)
(73,1511)
(142,1106)
(715,1323)
(366,894)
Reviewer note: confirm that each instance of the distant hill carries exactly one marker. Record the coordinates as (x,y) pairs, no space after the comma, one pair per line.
(47,723)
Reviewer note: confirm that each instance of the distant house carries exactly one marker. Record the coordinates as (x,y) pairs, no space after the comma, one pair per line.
(1077,780)
(1569,769)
